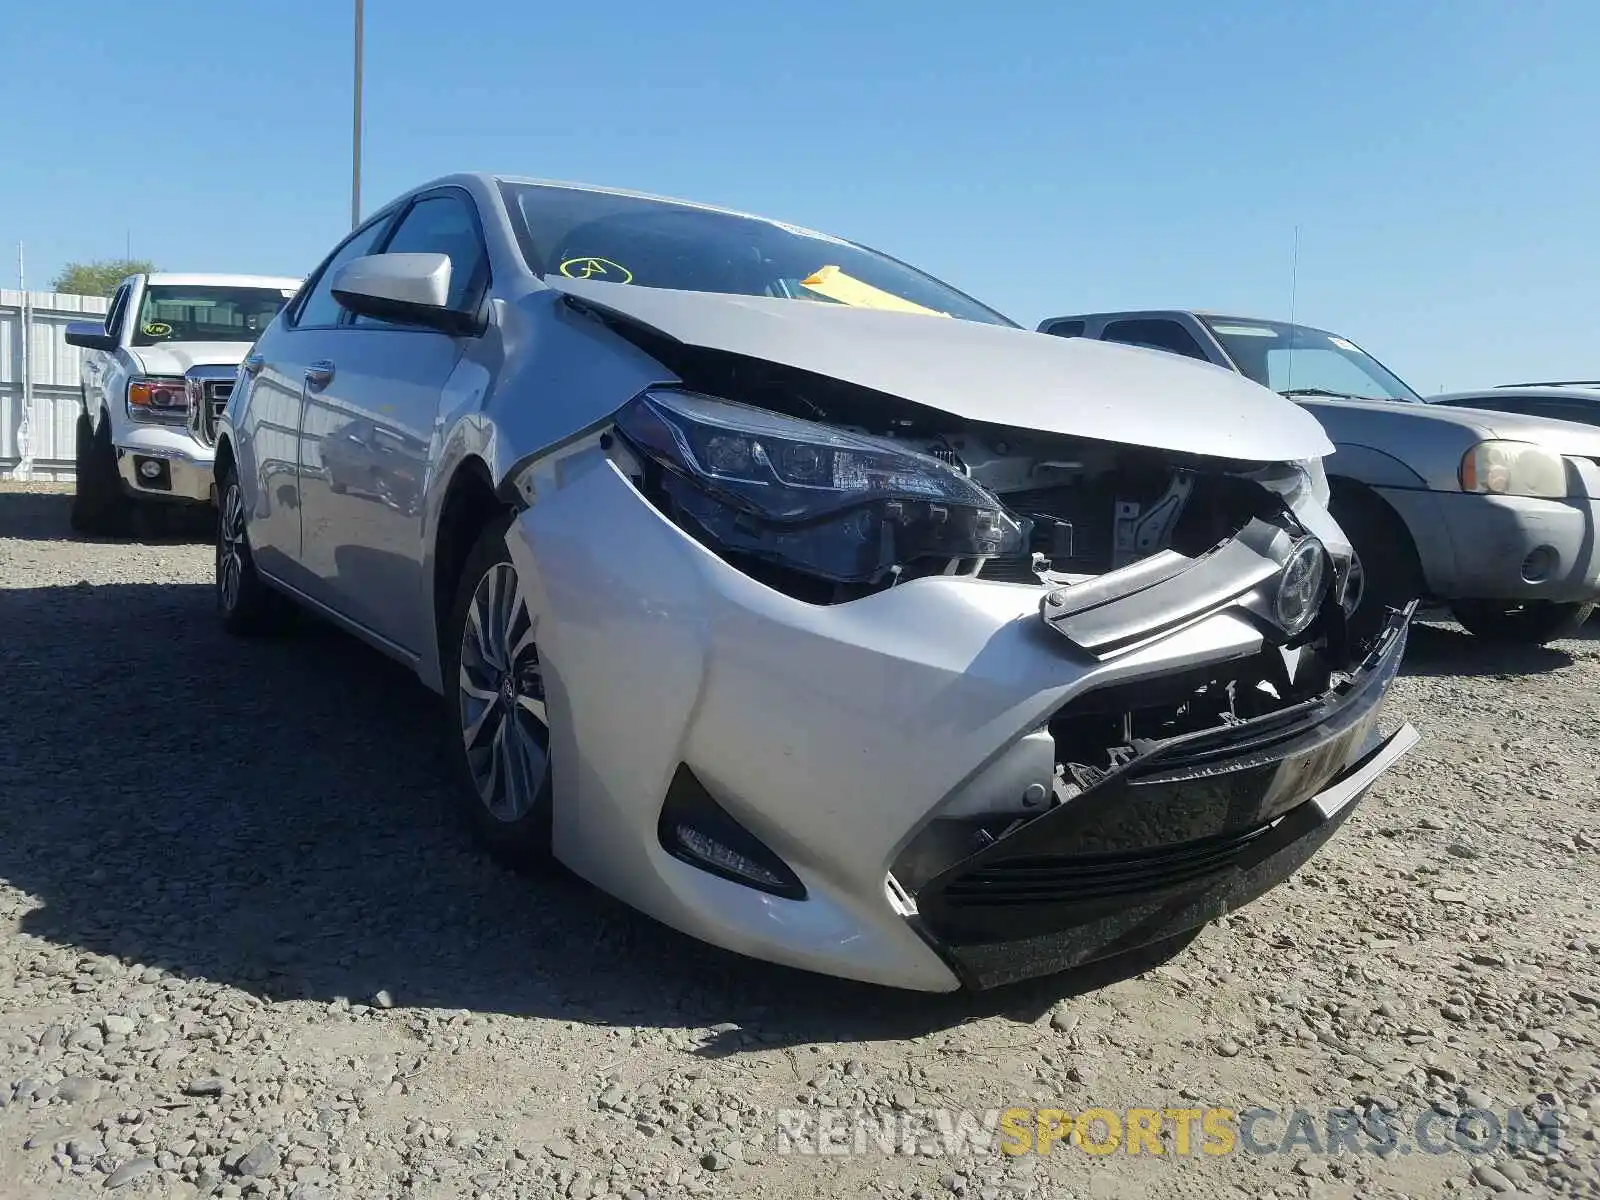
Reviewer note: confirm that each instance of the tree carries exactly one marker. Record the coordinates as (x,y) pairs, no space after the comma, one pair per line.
(98,278)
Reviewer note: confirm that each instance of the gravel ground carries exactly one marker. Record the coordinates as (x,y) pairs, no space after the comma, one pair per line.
(244,950)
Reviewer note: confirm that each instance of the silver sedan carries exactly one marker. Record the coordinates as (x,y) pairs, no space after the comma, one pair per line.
(797,598)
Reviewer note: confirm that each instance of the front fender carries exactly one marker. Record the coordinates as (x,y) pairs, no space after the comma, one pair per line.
(1371,466)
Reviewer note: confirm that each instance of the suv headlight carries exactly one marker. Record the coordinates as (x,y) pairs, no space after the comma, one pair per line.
(1505,468)
(158,399)
(837,505)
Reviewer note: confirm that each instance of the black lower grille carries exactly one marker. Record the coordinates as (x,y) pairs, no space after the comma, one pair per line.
(1060,879)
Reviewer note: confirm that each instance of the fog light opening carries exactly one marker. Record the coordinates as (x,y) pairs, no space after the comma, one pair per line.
(152,473)
(1540,564)
(695,829)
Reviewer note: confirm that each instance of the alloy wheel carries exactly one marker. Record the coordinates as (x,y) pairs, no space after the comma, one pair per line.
(501,700)
(231,548)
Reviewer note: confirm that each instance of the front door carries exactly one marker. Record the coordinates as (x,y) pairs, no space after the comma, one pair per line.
(369,428)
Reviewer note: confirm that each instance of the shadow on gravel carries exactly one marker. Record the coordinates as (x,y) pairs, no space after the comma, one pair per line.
(275,815)
(1447,650)
(43,517)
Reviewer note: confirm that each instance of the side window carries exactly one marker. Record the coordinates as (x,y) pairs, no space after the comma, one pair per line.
(319,309)
(1569,410)
(119,302)
(1155,333)
(444,225)
(1065,328)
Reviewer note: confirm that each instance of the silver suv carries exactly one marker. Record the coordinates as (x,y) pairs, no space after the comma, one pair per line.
(1490,514)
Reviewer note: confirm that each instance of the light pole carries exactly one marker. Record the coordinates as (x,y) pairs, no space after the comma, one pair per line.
(355,132)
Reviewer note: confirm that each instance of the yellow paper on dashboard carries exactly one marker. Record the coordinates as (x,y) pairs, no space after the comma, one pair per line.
(833,283)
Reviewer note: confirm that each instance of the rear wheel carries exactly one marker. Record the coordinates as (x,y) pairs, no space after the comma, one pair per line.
(245,603)
(1532,623)
(99,505)
(495,707)
(1387,575)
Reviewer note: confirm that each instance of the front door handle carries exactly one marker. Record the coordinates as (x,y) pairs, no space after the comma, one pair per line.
(319,374)
(253,364)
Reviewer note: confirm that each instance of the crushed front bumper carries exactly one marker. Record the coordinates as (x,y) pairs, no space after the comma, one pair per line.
(834,735)
(1195,827)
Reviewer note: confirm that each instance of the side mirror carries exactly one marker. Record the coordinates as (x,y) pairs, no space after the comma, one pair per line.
(88,335)
(409,289)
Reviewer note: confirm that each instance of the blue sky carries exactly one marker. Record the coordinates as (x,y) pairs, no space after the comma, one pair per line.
(1439,158)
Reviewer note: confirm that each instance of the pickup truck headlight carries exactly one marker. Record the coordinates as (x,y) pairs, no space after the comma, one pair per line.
(837,505)
(1506,468)
(158,399)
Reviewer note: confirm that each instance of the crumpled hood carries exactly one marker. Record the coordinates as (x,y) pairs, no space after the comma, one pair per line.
(174,358)
(988,373)
(1356,421)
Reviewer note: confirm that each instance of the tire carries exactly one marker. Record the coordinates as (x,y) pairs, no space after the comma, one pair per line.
(246,605)
(1532,623)
(1391,575)
(504,782)
(99,505)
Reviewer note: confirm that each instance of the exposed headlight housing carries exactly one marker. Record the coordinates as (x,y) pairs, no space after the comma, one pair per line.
(1507,468)
(1301,586)
(841,506)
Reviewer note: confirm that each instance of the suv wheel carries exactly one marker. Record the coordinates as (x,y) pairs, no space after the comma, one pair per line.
(1531,624)
(495,707)
(1389,574)
(99,506)
(244,601)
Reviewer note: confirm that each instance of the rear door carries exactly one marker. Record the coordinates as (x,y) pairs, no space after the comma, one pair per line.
(272,466)
(370,425)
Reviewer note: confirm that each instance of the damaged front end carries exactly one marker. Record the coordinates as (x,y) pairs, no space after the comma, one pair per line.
(1170,782)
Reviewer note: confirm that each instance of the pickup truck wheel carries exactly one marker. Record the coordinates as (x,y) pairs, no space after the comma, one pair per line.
(99,507)
(1389,575)
(1532,623)
(245,603)
(495,708)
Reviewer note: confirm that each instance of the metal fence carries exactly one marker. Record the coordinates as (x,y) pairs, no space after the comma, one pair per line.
(39,381)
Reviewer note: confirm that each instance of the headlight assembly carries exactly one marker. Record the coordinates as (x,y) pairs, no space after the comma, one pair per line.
(837,505)
(1505,468)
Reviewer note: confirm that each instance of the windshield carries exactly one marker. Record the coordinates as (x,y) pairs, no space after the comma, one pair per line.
(1297,360)
(585,234)
(172,313)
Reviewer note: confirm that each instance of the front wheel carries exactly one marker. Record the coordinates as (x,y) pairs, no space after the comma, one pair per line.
(1531,623)
(495,707)
(1386,575)
(99,506)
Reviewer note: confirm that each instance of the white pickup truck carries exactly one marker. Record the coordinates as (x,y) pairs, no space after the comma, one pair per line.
(159,370)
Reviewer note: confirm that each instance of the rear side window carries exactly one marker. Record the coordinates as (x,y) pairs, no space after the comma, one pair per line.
(1066,328)
(1154,333)
(1569,410)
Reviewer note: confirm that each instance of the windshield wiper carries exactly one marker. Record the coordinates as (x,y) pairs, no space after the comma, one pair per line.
(1316,391)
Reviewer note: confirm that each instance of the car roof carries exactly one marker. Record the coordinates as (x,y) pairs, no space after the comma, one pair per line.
(212,279)
(491,180)
(1204,314)
(1535,392)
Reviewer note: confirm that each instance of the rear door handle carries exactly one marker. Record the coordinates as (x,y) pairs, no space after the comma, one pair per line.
(253,364)
(319,374)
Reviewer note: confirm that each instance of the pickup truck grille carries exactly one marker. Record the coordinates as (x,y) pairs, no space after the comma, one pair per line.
(208,396)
